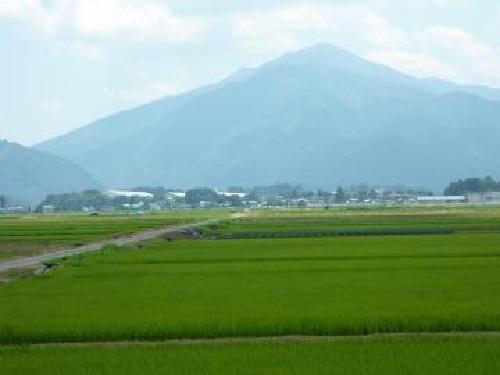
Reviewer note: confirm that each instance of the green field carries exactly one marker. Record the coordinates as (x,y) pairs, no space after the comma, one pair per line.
(352,285)
(478,356)
(33,234)
(342,221)
(326,286)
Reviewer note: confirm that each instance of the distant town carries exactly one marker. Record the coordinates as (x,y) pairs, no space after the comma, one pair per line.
(142,199)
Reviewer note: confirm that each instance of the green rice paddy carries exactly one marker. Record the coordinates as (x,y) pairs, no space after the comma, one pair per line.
(344,222)
(478,356)
(326,286)
(262,287)
(33,234)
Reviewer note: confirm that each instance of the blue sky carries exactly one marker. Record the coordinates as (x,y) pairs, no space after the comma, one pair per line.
(65,63)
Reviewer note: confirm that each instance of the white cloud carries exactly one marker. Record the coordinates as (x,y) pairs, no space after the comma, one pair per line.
(136,19)
(154,90)
(379,32)
(292,27)
(51,106)
(268,33)
(297,18)
(439,50)
(13,8)
(475,60)
(445,52)
(92,26)
(419,65)
(89,51)
(135,96)
(116,19)
(273,32)
(31,11)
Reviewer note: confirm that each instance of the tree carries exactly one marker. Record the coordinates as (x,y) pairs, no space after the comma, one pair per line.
(76,201)
(340,195)
(195,196)
(235,201)
(362,195)
(472,185)
(372,194)
(489,184)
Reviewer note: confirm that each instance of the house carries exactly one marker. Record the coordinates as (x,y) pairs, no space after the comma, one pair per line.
(15,209)
(48,209)
(128,194)
(133,205)
(442,199)
(154,207)
(173,195)
(492,197)
(231,195)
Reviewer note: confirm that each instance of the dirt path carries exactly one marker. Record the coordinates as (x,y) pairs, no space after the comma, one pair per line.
(120,241)
(276,339)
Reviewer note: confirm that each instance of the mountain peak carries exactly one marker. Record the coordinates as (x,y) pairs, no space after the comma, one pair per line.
(329,57)
(327,49)
(320,116)
(322,53)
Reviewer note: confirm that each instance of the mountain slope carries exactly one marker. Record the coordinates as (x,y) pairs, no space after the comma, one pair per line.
(28,175)
(320,116)
(444,87)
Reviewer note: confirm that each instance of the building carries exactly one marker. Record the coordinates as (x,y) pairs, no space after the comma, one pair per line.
(442,199)
(48,209)
(133,205)
(173,195)
(129,194)
(231,195)
(207,204)
(106,208)
(154,207)
(15,209)
(492,197)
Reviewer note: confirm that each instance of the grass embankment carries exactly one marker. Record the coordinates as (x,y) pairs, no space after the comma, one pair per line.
(35,234)
(326,286)
(396,356)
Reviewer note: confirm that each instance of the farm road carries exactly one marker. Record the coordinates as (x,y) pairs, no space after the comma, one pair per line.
(120,241)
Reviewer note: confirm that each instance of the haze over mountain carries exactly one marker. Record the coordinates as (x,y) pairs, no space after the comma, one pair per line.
(320,116)
(28,175)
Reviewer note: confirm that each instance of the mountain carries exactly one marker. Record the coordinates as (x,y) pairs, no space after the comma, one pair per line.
(28,175)
(439,86)
(320,116)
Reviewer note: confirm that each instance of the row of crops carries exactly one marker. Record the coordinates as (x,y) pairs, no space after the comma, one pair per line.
(330,233)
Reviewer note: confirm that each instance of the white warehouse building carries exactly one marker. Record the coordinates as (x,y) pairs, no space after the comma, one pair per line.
(442,199)
(128,194)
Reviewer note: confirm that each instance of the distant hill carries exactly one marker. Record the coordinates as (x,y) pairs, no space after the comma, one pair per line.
(320,116)
(28,175)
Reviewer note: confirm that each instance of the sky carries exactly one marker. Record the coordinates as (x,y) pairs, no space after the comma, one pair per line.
(65,63)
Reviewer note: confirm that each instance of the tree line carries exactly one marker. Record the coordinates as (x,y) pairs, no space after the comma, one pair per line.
(3,201)
(472,185)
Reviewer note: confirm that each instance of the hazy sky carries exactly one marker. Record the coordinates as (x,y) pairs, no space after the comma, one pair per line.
(64,63)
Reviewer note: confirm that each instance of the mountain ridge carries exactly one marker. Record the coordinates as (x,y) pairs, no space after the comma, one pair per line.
(28,175)
(292,119)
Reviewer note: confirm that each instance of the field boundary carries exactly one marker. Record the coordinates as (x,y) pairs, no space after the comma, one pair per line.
(120,241)
(268,339)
